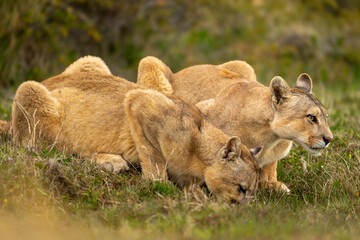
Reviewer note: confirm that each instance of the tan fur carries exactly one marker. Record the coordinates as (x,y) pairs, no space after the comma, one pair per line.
(241,68)
(87,64)
(272,116)
(155,75)
(5,127)
(114,122)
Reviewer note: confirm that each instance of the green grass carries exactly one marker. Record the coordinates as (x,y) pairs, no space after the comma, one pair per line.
(49,194)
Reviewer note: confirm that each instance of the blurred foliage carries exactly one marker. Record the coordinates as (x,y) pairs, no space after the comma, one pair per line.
(39,38)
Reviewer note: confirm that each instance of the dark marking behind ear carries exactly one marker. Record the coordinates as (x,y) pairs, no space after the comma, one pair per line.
(255,152)
(188,110)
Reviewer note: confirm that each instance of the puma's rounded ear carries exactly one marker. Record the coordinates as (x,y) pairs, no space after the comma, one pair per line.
(233,144)
(255,152)
(280,90)
(304,82)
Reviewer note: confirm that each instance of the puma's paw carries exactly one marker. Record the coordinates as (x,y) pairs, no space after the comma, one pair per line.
(115,167)
(111,162)
(277,186)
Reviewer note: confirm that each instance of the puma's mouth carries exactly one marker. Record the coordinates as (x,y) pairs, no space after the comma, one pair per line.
(312,150)
(316,148)
(319,146)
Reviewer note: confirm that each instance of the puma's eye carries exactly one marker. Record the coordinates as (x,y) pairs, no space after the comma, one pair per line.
(241,189)
(312,118)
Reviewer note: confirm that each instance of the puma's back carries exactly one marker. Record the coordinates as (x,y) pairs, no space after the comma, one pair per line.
(195,83)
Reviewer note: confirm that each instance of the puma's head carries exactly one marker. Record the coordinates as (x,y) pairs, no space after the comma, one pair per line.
(299,115)
(234,174)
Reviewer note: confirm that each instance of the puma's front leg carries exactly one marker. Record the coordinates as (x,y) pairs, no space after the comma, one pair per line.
(153,165)
(268,174)
(268,178)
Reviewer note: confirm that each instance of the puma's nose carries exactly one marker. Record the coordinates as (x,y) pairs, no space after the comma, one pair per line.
(327,140)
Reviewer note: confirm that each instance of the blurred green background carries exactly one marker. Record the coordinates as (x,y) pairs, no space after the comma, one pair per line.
(39,38)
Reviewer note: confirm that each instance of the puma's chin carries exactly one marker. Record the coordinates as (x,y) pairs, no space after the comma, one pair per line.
(312,150)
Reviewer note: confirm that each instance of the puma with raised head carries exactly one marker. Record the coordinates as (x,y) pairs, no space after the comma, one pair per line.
(232,99)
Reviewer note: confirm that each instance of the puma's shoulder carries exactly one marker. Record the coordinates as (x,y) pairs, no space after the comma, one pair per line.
(242,68)
(154,74)
(88,64)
